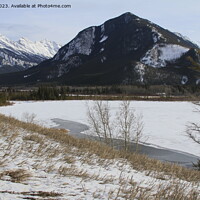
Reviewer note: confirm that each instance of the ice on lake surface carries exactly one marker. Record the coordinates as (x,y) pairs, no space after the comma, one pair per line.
(164,122)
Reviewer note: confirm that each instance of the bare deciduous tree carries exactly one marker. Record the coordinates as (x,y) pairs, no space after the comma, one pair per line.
(193,129)
(193,132)
(127,126)
(99,120)
(130,125)
(139,126)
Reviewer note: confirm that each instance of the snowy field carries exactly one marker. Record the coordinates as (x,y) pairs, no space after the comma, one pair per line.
(164,122)
(35,166)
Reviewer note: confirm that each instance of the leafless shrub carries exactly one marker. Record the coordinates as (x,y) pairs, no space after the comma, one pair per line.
(35,138)
(28,117)
(73,171)
(68,159)
(18,175)
(175,190)
(193,132)
(4,129)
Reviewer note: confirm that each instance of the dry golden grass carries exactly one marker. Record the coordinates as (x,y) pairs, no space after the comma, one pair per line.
(139,162)
(73,171)
(35,138)
(6,103)
(35,195)
(104,156)
(18,175)
(169,192)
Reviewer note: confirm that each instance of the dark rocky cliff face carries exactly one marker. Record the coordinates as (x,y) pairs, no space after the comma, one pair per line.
(123,50)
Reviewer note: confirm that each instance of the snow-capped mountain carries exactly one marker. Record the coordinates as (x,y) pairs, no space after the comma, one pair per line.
(123,50)
(22,54)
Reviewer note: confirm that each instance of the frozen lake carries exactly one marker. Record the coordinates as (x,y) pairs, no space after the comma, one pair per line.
(164,122)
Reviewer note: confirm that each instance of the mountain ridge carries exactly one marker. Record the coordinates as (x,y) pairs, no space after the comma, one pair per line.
(24,53)
(123,50)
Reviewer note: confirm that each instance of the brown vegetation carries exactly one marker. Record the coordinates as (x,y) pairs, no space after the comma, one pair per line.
(139,162)
(84,149)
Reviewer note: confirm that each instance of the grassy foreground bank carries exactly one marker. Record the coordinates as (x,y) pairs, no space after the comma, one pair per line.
(31,156)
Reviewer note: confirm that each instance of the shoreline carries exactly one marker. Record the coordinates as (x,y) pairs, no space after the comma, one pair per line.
(162,154)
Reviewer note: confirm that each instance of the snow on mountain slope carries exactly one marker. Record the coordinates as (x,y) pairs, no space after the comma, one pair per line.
(82,44)
(25,53)
(103,39)
(42,48)
(109,54)
(160,54)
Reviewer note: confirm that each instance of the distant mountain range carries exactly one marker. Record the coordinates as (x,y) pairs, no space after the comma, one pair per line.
(123,50)
(23,54)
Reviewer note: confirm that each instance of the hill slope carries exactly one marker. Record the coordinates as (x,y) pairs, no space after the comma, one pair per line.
(40,163)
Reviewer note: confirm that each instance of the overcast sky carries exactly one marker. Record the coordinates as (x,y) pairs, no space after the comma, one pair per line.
(61,25)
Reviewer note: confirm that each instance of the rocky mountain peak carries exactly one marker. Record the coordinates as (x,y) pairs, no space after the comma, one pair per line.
(24,53)
(123,50)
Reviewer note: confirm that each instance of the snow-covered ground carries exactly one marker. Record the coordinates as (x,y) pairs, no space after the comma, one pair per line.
(164,122)
(33,166)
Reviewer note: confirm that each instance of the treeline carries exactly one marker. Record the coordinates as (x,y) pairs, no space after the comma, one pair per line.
(3,99)
(57,93)
(48,92)
(40,93)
